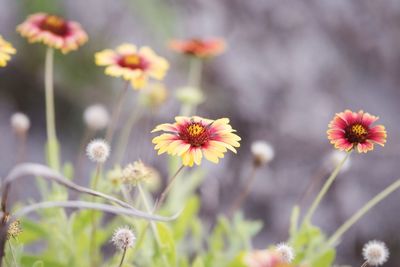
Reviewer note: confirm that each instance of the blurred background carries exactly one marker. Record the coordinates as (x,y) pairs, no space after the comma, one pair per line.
(289,67)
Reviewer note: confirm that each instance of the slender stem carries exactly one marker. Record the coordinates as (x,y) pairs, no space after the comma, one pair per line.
(116,112)
(93,251)
(12,254)
(237,203)
(123,257)
(314,181)
(87,135)
(325,189)
(365,264)
(194,80)
(164,193)
(52,143)
(21,151)
(126,133)
(361,212)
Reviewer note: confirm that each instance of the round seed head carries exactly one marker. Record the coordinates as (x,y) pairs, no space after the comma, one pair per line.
(20,123)
(286,252)
(263,152)
(98,150)
(96,117)
(375,253)
(123,238)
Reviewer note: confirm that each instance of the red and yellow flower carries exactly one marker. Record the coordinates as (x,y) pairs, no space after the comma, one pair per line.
(201,48)
(133,64)
(193,137)
(6,50)
(53,31)
(350,130)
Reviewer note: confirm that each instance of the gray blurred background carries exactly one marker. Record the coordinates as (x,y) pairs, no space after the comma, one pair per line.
(290,65)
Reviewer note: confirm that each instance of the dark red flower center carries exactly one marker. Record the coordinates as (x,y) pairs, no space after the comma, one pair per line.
(133,62)
(54,25)
(195,133)
(356,133)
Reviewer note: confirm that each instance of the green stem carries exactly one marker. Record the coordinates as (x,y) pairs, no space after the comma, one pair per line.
(194,80)
(12,254)
(361,212)
(52,143)
(325,189)
(123,257)
(93,252)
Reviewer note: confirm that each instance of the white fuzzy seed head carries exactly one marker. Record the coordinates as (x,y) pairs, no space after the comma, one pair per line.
(286,252)
(96,117)
(98,150)
(263,152)
(20,123)
(123,238)
(375,253)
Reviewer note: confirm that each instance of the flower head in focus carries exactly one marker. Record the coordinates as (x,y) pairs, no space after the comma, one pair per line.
(53,31)
(375,253)
(193,137)
(133,64)
(6,50)
(350,130)
(201,48)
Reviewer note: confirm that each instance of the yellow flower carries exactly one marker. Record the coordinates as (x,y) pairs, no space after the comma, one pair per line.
(6,49)
(53,31)
(133,64)
(193,137)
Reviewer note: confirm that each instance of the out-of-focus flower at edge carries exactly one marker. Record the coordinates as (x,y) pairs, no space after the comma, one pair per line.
(53,31)
(350,130)
(192,137)
(264,258)
(154,96)
(6,50)
(133,64)
(202,48)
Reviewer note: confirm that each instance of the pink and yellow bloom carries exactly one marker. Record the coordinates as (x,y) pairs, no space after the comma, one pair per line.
(6,50)
(193,137)
(53,31)
(264,258)
(202,48)
(350,130)
(133,64)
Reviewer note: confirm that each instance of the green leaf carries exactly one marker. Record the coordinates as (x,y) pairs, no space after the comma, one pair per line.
(325,260)
(167,242)
(182,224)
(31,231)
(198,262)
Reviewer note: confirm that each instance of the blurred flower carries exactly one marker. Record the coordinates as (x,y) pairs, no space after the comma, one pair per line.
(286,252)
(123,238)
(335,158)
(98,150)
(20,123)
(189,95)
(135,173)
(375,253)
(155,95)
(115,175)
(53,31)
(14,229)
(96,117)
(133,64)
(201,48)
(191,137)
(350,130)
(263,152)
(264,258)
(6,49)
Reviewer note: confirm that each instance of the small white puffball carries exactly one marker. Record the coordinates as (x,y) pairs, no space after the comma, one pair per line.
(375,253)
(98,150)
(123,238)
(286,252)
(262,151)
(334,159)
(20,123)
(96,117)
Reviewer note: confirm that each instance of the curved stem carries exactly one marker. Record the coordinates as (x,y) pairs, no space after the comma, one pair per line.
(325,189)
(116,112)
(361,212)
(123,257)
(237,203)
(365,264)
